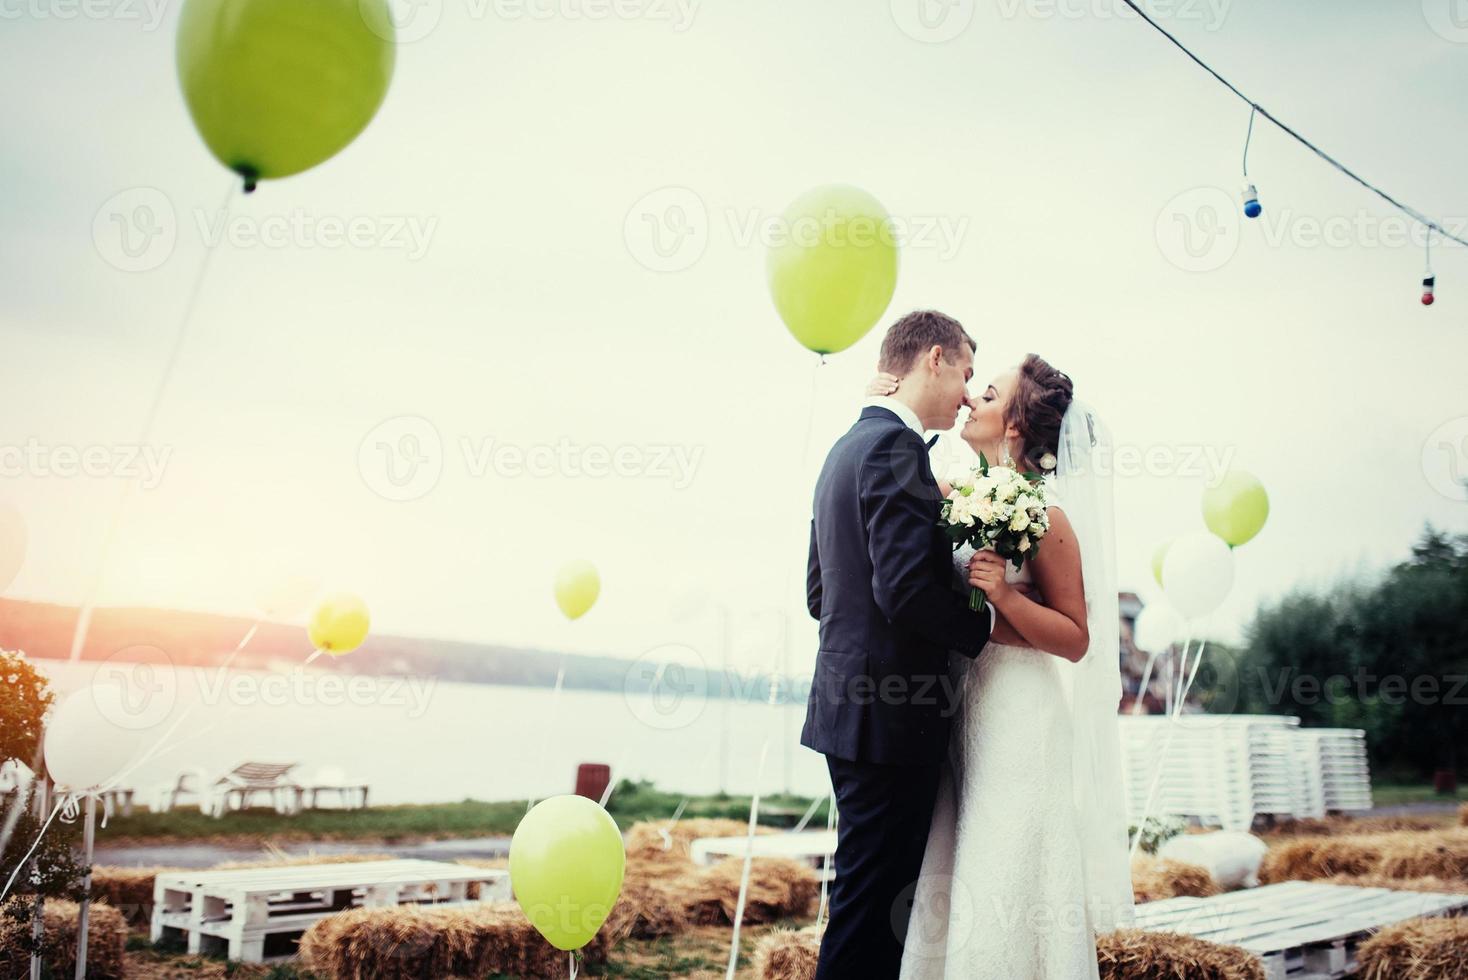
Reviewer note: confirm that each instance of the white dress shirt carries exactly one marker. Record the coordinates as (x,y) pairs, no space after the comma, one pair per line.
(911,420)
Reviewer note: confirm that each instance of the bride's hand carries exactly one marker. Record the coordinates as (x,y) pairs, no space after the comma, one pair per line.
(986,572)
(883,384)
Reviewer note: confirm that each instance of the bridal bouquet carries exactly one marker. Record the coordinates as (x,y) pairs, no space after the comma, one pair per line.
(998,508)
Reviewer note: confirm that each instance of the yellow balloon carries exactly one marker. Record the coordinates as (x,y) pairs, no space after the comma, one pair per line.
(833,271)
(1237,508)
(577,586)
(277,86)
(1158,557)
(566,865)
(339,624)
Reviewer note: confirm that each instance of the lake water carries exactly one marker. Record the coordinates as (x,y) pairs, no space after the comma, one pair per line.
(415,740)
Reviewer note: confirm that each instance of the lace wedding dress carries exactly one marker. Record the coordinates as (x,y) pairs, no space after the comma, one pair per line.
(1002,892)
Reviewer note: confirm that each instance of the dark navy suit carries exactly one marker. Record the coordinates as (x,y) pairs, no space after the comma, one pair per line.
(879,580)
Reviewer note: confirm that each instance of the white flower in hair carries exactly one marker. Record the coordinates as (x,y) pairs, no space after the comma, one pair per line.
(1047,462)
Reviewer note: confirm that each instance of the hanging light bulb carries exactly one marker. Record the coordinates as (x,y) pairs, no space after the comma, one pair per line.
(1429,280)
(1252,207)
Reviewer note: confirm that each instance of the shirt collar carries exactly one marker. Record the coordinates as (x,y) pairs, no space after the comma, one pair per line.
(908,416)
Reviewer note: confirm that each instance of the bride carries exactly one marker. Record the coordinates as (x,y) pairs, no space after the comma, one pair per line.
(1027,853)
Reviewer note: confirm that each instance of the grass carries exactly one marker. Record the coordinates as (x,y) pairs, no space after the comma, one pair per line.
(629,803)
(1399,794)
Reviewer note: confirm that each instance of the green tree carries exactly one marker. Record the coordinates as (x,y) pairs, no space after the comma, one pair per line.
(1389,656)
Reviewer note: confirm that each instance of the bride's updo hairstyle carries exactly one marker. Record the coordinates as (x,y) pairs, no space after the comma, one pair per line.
(1038,403)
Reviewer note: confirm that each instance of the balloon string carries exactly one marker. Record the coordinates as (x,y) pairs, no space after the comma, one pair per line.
(748,860)
(1161,758)
(552,715)
(181,332)
(157,747)
(1253,111)
(308,661)
(68,804)
(1141,700)
(571,955)
(830,869)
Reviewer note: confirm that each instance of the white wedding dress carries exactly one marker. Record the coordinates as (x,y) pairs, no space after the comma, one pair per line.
(1002,893)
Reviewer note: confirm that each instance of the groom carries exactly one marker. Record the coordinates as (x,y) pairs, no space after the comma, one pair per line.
(879,580)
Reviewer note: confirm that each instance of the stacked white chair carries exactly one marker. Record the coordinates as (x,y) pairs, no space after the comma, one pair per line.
(1223,770)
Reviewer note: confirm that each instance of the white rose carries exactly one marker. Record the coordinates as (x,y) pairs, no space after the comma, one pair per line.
(1024,544)
(985,510)
(1019,521)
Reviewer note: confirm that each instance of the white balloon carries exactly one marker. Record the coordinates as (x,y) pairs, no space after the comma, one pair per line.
(1158,627)
(13,542)
(88,739)
(1197,574)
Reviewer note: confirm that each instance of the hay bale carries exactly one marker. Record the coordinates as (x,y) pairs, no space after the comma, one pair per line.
(106,940)
(1154,879)
(669,841)
(1130,954)
(786,955)
(1428,884)
(413,943)
(779,888)
(1402,854)
(281,860)
(1339,825)
(652,906)
(129,890)
(1423,949)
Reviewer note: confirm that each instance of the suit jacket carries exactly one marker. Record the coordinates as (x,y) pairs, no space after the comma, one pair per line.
(879,580)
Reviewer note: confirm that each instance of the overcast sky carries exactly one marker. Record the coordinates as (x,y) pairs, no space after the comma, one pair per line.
(556,255)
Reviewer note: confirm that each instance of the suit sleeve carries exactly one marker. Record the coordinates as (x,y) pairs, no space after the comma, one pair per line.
(901,512)
(813,576)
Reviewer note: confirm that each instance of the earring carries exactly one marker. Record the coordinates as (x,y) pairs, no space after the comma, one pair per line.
(1008,459)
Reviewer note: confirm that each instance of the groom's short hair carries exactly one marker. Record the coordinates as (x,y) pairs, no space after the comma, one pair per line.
(916,334)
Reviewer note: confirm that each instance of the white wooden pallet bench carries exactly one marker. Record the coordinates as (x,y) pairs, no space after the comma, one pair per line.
(814,847)
(254,913)
(1301,930)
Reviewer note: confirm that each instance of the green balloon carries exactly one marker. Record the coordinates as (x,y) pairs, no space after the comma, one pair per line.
(1237,508)
(834,268)
(566,864)
(1159,555)
(277,86)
